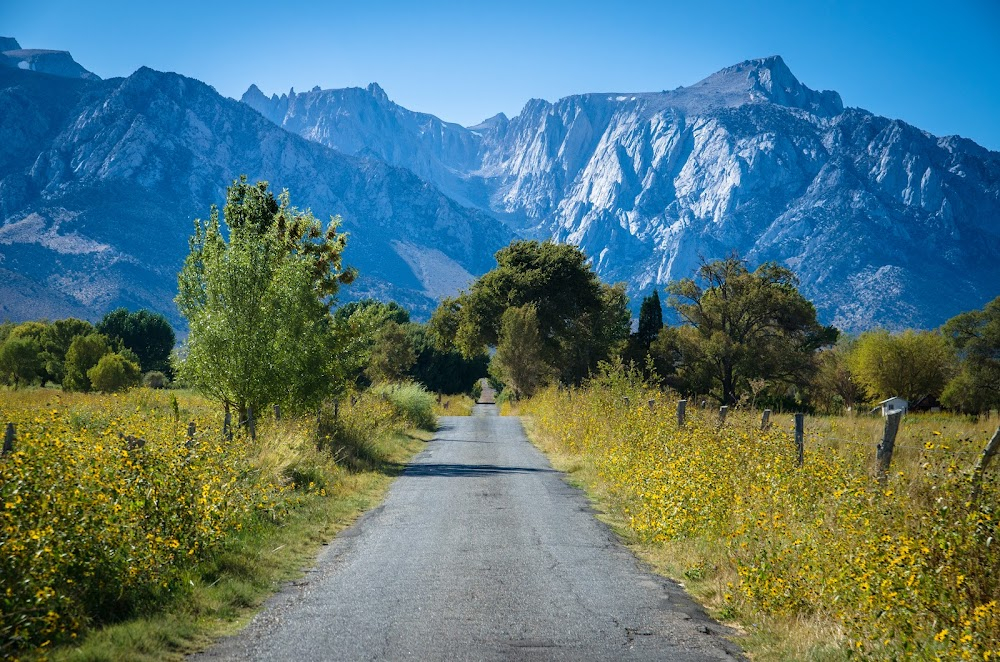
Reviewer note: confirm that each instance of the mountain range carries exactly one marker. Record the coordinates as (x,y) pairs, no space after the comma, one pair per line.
(883,223)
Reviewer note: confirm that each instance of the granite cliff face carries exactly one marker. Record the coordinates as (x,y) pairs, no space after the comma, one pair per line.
(100,182)
(883,223)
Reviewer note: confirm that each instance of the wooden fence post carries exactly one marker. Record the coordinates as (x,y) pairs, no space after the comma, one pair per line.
(336,410)
(883,455)
(227,426)
(652,404)
(681,407)
(765,420)
(723,410)
(190,437)
(800,437)
(8,440)
(277,412)
(251,426)
(977,474)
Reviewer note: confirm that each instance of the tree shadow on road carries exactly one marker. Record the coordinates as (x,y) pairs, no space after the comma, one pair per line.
(431,470)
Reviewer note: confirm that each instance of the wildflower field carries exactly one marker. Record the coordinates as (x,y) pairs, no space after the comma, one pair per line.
(901,569)
(109,508)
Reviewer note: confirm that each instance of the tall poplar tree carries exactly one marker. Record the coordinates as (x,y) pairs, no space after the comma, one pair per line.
(258,302)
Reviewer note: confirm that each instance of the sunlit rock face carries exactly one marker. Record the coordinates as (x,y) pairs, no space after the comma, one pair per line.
(883,223)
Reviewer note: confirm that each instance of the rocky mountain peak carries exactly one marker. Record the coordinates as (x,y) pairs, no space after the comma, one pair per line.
(497,121)
(376,91)
(253,95)
(762,80)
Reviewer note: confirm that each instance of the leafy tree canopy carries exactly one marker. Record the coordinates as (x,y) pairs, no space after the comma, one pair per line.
(83,354)
(743,325)
(650,319)
(975,336)
(56,341)
(443,370)
(518,360)
(258,303)
(20,360)
(580,320)
(386,311)
(911,364)
(146,333)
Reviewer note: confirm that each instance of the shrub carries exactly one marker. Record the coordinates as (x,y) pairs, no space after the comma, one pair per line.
(154,379)
(412,402)
(113,373)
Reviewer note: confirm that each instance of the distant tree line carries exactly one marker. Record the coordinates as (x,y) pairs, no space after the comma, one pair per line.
(744,336)
(750,336)
(121,349)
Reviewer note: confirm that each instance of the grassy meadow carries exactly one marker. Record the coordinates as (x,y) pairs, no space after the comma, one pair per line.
(822,562)
(122,539)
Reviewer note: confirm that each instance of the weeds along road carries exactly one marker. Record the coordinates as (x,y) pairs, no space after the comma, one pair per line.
(480,552)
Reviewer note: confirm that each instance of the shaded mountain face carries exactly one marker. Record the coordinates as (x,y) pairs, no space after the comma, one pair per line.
(100,182)
(883,223)
(55,63)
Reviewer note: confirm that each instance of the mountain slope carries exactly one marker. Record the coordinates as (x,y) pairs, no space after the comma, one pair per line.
(100,182)
(56,63)
(883,223)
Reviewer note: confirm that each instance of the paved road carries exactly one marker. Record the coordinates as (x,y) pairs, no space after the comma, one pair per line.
(480,552)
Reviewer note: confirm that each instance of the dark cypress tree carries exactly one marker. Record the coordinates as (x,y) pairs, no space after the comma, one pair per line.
(650,320)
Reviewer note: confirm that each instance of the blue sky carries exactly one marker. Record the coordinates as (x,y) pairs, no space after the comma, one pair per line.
(933,64)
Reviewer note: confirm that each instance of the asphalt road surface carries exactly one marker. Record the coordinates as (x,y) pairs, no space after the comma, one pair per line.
(480,552)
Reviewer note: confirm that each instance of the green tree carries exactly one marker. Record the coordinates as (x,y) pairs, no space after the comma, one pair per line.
(392,353)
(443,370)
(83,354)
(257,303)
(834,387)
(389,311)
(146,333)
(663,360)
(744,325)
(518,360)
(966,394)
(581,321)
(20,361)
(650,319)
(56,341)
(910,365)
(359,325)
(35,332)
(975,336)
(114,373)
(650,323)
